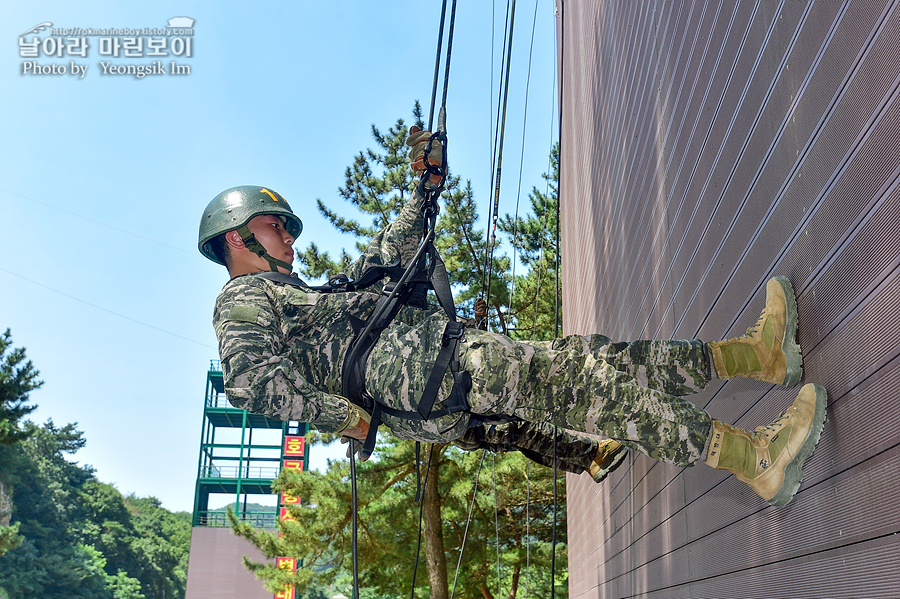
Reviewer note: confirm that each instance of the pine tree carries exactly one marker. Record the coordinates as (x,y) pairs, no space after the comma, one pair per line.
(463,248)
(18,378)
(534,303)
(377,184)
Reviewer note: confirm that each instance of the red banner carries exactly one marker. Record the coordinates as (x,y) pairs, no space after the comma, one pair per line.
(288,499)
(286,593)
(285,515)
(292,464)
(294,446)
(286,563)
(289,564)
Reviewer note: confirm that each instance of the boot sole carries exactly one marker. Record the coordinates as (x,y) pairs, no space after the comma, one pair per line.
(789,345)
(793,471)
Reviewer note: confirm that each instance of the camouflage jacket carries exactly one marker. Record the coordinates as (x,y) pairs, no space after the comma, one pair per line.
(282,347)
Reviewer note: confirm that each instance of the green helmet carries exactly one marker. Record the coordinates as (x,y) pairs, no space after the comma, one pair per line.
(233,208)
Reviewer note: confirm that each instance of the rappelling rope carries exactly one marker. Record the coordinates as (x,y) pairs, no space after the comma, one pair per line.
(441,134)
(354,506)
(491,238)
(468,522)
(561,44)
(544,221)
(421,508)
(512,290)
(555,509)
(527,526)
(496,521)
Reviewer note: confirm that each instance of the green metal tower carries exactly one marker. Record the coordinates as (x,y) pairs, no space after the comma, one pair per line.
(240,455)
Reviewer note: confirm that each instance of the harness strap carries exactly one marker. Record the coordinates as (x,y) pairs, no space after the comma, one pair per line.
(447,357)
(369,444)
(440,282)
(368,332)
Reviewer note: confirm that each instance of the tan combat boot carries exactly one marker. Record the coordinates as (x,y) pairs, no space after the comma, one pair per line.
(610,455)
(770,459)
(769,351)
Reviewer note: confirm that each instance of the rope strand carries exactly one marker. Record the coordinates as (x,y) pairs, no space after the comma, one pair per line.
(488,242)
(468,522)
(437,64)
(512,290)
(496,205)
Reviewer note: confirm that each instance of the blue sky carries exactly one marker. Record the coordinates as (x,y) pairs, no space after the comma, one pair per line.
(103,179)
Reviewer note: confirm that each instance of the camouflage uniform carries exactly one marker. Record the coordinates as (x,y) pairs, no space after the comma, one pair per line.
(282,349)
(574,453)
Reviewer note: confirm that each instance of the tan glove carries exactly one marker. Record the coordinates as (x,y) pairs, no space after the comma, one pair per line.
(481,308)
(417,140)
(356,430)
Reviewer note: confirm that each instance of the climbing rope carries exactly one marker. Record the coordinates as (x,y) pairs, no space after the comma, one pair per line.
(512,290)
(462,547)
(537,290)
(555,509)
(527,526)
(556,315)
(430,195)
(354,508)
(496,521)
(421,500)
(491,238)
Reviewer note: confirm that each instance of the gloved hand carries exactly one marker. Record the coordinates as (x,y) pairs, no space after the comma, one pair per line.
(481,308)
(417,140)
(356,446)
(356,432)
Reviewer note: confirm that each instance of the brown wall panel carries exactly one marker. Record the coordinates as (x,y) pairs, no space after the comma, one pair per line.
(215,570)
(706,146)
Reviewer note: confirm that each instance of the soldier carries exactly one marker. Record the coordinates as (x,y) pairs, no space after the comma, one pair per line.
(282,348)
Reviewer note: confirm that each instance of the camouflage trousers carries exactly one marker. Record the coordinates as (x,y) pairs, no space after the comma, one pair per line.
(631,392)
(574,453)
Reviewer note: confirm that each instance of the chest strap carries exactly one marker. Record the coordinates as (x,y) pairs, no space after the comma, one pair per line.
(405,287)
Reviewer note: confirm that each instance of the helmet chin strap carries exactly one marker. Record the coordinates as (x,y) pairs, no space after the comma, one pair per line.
(257,248)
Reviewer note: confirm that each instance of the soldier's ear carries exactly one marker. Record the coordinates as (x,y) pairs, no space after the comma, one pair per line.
(233,239)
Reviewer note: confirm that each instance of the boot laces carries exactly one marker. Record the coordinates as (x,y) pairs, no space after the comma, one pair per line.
(771,428)
(759,323)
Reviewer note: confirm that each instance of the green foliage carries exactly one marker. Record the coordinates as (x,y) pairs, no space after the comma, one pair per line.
(377,184)
(73,536)
(463,249)
(82,538)
(51,561)
(534,235)
(9,537)
(18,378)
(535,300)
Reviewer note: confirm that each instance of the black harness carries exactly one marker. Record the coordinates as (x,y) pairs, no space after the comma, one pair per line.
(407,286)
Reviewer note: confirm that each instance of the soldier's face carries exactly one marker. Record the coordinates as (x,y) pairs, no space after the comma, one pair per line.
(270,232)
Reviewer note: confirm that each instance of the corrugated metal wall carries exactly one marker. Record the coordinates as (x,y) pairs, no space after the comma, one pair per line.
(707,146)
